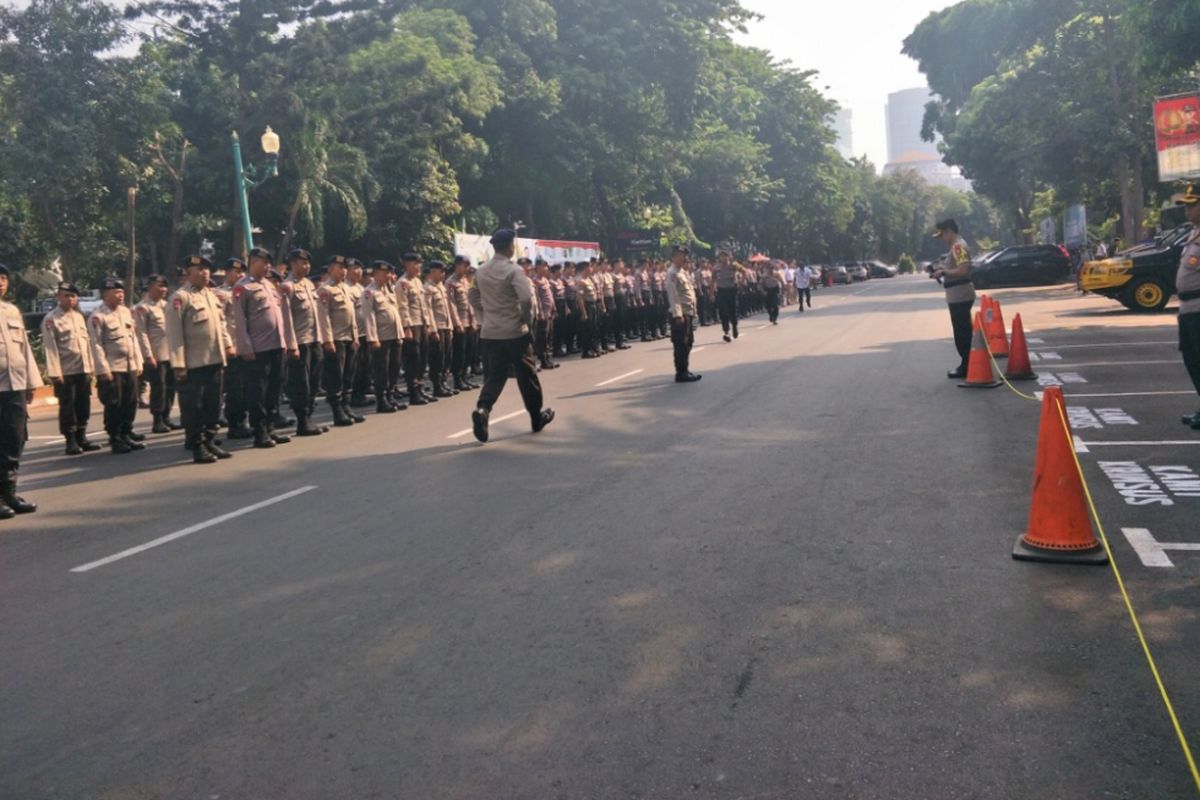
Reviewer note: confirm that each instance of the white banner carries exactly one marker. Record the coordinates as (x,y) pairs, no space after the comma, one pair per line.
(479,249)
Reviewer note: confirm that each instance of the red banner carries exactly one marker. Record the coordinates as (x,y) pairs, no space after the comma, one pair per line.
(1177,136)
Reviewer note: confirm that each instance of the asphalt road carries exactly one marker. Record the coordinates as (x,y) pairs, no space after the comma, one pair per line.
(791,580)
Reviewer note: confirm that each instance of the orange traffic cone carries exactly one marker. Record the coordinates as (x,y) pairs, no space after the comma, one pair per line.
(1019,368)
(993,328)
(1060,530)
(980,374)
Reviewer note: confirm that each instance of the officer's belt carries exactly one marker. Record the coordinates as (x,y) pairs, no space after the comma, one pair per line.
(958,282)
(1193,295)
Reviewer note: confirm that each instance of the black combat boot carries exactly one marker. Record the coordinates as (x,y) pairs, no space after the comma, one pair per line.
(160,425)
(119,445)
(201,454)
(84,444)
(8,495)
(262,439)
(306,427)
(133,441)
(73,448)
(210,443)
(351,415)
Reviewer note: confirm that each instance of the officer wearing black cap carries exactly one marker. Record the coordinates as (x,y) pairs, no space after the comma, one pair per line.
(444,320)
(69,367)
(503,301)
(199,347)
(19,376)
(303,372)
(236,409)
(1187,283)
(263,335)
(356,284)
(384,322)
(118,360)
(681,302)
(463,347)
(150,318)
(960,292)
(543,301)
(411,293)
(340,324)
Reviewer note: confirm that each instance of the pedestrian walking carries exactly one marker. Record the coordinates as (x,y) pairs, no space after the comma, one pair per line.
(805,276)
(681,299)
(70,368)
(772,285)
(725,279)
(960,292)
(19,376)
(198,349)
(1187,282)
(503,301)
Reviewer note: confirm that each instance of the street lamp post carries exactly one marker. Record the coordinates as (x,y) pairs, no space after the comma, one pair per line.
(247,176)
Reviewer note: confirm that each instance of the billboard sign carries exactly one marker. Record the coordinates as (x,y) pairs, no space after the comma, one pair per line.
(1177,136)
(479,249)
(1047,231)
(1075,226)
(636,243)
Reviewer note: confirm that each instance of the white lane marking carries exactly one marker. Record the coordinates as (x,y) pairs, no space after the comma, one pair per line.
(620,377)
(1129,394)
(1152,552)
(170,537)
(763,327)
(47,438)
(1080,447)
(1106,344)
(1113,363)
(463,433)
(1168,443)
(698,349)
(1048,355)
(1035,341)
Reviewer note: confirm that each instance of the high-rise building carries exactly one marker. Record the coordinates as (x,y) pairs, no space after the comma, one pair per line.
(907,151)
(843,126)
(905,115)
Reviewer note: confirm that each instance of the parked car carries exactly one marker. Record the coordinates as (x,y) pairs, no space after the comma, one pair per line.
(858,271)
(1023,265)
(1141,278)
(878,269)
(840,275)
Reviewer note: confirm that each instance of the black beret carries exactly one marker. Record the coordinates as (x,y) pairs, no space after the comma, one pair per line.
(461,260)
(260,252)
(523,261)
(112,283)
(381,264)
(503,237)
(152,279)
(196,261)
(432,265)
(68,287)
(556,267)
(4,270)
(299,254)
(410,257)
(680,249)
(353,262)
(234,263)
(943,226)
(337,261)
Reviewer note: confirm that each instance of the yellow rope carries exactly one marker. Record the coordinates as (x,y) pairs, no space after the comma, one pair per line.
(1137,626)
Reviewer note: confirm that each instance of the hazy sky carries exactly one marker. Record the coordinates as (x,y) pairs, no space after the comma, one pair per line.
(855,45)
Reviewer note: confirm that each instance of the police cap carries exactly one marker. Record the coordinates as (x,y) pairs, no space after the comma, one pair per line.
(235,263)
(260,252)
(299,254)
(337,261)
(503,237)
(4,270)
(1188,198)
(68,287)
(384,265)
(943,226)
(432,265)
(409,258)
(196,261)
(112,283)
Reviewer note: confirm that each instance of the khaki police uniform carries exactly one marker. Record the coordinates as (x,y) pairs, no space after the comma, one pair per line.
(411,294)
(462,349)
(150,319)
(335,304)
(198,343)
(304,371)
(117,356)
(681,299)
(384,332)
(19,376)
(70,368)
(263,332)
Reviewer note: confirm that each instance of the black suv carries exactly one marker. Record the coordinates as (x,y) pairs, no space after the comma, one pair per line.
(1023,265)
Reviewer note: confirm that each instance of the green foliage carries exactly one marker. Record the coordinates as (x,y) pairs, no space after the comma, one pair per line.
(906,265)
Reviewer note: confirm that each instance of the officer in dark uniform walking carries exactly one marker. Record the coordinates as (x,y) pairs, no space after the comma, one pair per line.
(198,349)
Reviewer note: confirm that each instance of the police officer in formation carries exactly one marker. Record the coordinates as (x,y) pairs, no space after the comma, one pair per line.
(384,331)
(118,362)
(150,318)
(304,371)
(198,347)
(19,376)
(264,336)
(70,368)
(466,332)
(339,323)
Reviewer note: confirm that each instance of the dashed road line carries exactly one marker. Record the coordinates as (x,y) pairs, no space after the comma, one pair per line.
(466,431)
(620,377)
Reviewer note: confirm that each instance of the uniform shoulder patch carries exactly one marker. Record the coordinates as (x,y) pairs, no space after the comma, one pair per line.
(238,291)
(178,303)
(49,324)
(96,320)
